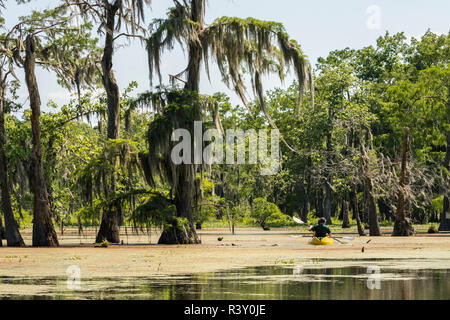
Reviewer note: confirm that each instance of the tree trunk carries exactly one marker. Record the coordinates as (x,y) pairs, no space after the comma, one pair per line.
(385,209)
(345,217)
(80,226)
(445,216)
(43,230)
(327,203)
(2,229)
(184,193)
(319,204)
(403,226)
(11,230)
(327,181)
(109,227)
(363,207)
(193,77)
(176,233)
(228,219)
(50,162)
(361,231)
(374,227)
(195,47)
(306,204)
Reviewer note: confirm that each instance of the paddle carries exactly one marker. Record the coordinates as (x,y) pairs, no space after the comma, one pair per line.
(345,238)
(298,220)
(337,240)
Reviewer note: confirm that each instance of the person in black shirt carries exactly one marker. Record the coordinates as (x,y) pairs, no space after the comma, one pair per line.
(321,230)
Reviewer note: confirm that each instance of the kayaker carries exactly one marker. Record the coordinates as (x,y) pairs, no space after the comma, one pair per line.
(321,230)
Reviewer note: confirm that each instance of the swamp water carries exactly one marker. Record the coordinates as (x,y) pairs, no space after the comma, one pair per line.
(366,281)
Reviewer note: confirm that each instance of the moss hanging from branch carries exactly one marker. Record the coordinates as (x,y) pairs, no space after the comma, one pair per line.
(180,109)
(235,44)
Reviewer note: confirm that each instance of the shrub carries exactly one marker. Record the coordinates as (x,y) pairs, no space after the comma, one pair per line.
(262,210)
(433,229)
(267,214)
(104,244)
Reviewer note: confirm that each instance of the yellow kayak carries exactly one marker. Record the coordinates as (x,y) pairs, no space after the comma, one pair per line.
(321,242)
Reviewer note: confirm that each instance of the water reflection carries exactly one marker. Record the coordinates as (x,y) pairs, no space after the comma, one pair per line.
(275,282)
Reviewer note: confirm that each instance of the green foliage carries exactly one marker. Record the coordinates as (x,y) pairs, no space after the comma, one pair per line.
(258,47)
(266,213)
(361,102)
(155,210)
(25,220)
(433,229)
(104,244)
(280,219)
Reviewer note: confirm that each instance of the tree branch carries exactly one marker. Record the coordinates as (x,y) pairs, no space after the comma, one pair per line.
(129,35)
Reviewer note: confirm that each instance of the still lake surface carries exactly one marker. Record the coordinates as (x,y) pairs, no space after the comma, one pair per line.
(280,282)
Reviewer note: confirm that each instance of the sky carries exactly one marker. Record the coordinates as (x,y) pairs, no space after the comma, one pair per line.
(319,26)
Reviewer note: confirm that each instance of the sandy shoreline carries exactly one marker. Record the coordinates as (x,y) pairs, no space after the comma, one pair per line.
(250,249)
